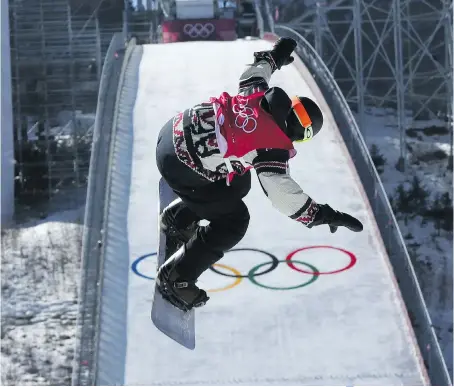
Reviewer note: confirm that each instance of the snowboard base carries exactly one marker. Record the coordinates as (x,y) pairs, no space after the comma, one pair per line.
(173,322)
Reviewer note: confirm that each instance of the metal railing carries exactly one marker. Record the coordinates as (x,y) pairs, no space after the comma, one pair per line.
(384,216)
(85,354)
(113,294)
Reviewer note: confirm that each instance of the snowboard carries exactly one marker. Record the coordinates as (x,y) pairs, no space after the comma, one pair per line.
(173,322)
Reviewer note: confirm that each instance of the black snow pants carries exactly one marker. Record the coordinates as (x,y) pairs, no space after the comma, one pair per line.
(216,202)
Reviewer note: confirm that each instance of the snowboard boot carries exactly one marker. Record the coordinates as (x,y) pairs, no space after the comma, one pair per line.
(178,222)
(180,292)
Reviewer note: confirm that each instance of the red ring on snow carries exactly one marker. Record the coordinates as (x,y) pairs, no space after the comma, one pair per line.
(349,266)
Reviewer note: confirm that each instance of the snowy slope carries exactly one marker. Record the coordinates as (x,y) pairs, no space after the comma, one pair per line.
(248,334)
(40,273)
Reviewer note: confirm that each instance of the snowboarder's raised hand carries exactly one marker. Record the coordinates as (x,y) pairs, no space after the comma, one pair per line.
(335,219)
(280,55)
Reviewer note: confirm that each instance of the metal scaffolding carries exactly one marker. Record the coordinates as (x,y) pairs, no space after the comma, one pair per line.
(384,53)
(56,63)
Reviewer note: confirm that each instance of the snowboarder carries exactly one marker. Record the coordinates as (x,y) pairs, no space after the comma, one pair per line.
(205,153)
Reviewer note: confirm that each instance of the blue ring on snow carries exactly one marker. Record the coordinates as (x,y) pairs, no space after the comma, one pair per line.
(136,263)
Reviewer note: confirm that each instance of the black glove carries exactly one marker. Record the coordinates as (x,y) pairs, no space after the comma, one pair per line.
(280,55)
(335,219)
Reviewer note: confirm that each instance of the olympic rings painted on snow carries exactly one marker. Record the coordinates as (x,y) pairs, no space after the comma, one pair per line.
(274,262)
(254,272)
(255,282)
(135,264)
(349,266)
(236,275)
(198,30)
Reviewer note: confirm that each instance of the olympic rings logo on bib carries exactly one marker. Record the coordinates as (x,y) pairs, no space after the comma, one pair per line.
(263,268)
(244,116)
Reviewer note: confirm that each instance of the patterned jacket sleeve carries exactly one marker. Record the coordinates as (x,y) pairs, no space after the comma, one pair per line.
(285,193)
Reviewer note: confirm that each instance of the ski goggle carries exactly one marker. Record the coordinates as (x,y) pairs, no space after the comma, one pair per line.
(303,119)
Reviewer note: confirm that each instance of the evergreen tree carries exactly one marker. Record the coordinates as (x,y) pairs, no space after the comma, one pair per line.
(417,196)
(435,212)
(377,158)
(446,204)
(402,201)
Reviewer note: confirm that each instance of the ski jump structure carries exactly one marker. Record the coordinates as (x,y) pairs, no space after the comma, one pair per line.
(289,306)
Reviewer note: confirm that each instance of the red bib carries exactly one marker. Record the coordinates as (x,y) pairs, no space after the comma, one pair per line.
(245,126)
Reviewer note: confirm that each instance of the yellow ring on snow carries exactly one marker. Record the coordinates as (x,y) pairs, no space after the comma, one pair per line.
(232,285)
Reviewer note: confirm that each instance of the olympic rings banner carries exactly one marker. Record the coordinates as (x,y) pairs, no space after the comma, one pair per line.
(309,273)
(198,29)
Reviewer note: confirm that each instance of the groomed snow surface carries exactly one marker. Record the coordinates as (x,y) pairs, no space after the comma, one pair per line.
(40,263)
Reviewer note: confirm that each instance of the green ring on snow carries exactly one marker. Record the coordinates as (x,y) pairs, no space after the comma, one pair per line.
(252,277)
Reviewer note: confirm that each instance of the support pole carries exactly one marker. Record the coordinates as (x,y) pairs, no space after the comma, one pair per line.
(357,20)
(74,128)
(6,124)
(400,86)
(43,125)
(450,87)
(98,48)
(126,21)
(319,23)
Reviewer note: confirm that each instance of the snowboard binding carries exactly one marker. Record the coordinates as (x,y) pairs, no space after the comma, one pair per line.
(182,294)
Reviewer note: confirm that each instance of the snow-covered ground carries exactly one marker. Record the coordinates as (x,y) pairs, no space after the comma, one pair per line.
(431,249)
(40,273)
(40,265)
